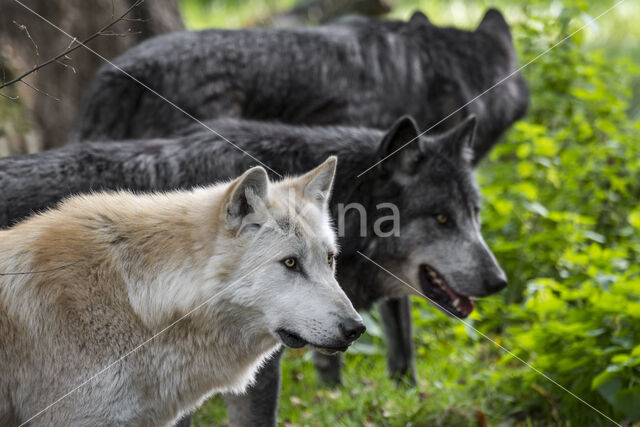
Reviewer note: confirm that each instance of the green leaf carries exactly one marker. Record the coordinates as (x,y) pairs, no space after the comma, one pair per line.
(620,358)
(628,402)
(537,208)
(609,389)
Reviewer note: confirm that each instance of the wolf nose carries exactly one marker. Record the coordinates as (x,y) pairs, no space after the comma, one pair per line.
(496,285)
(352,329)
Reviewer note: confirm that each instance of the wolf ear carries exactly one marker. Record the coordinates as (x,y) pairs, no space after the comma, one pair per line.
(458,141)
(316,185)
(247,198)
(395,148)
(419,18)
(494,23)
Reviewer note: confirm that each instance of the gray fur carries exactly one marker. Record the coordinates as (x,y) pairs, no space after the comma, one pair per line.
(357,71)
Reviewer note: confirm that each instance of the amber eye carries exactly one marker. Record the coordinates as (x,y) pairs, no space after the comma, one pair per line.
(442,218)
(330,259)
(290,262)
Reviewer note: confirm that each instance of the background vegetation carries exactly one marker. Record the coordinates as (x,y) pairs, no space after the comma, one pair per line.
(561,214)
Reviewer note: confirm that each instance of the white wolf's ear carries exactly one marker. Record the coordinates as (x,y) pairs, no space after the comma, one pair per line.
(247,201)
(316,184)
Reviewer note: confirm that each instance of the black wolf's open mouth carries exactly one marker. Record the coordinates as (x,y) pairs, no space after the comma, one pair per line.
(438,290)
(293,340)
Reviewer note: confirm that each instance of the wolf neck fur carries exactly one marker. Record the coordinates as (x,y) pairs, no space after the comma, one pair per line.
(184,275)
(161,252)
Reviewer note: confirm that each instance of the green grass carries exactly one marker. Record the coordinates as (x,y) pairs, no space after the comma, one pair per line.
(456,372)
(445,368)
(461,379)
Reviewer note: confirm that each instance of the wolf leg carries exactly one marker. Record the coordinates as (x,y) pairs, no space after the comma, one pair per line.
(328,367)
(259,405)
(396,320)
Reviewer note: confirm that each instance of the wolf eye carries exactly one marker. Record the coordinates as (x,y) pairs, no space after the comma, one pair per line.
(290,262)
(442,218)
(330,258)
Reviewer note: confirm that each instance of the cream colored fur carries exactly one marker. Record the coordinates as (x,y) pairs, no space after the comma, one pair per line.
(114,269)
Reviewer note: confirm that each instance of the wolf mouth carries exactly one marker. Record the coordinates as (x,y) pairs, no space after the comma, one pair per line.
(439,292)
(293,340)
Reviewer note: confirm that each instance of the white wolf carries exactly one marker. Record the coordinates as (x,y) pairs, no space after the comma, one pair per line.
(234,269)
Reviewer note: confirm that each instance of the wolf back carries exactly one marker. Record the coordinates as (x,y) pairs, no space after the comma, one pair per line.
(357,71)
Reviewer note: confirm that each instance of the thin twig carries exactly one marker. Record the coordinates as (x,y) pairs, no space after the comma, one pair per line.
(67,66)
(13,98)
(73,40)
(129,33)
(62,267)
(71,48)
(39,90)
(136,20)
(24,28)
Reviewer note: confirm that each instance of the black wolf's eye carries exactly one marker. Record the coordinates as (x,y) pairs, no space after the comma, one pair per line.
(442,218)
(330,258)
(290,262)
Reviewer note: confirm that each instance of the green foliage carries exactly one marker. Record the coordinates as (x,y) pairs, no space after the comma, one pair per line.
(200,14)
(562,215)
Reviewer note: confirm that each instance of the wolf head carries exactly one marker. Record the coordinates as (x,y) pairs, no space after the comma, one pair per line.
(479,66)
(284,233)
(438,248)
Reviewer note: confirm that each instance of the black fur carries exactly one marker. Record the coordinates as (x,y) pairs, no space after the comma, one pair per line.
(358,71)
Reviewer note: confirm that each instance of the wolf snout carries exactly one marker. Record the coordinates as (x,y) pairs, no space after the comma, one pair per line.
(495,282)
(496,285)
(352,329)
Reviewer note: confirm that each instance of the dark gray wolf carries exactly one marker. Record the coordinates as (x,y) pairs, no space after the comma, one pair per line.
(357,71)
(439,249)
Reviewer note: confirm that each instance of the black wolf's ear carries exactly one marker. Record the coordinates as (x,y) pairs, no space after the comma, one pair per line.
(247,198)
(398,147)
(494,23)
(458,141)
(316,184)
(419,18)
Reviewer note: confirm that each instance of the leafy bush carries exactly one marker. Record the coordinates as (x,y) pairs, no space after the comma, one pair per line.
(562,215)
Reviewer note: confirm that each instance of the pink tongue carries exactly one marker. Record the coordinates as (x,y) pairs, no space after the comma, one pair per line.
(465,306)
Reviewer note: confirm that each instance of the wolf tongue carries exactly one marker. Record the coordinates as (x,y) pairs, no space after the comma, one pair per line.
(465,304)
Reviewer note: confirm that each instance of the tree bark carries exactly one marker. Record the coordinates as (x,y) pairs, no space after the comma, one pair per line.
(59,88)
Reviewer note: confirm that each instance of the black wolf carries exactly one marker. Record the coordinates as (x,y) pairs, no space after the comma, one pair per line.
(439,249)
(357,71)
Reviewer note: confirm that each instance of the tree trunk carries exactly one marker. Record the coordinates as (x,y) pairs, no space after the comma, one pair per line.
(80,18)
